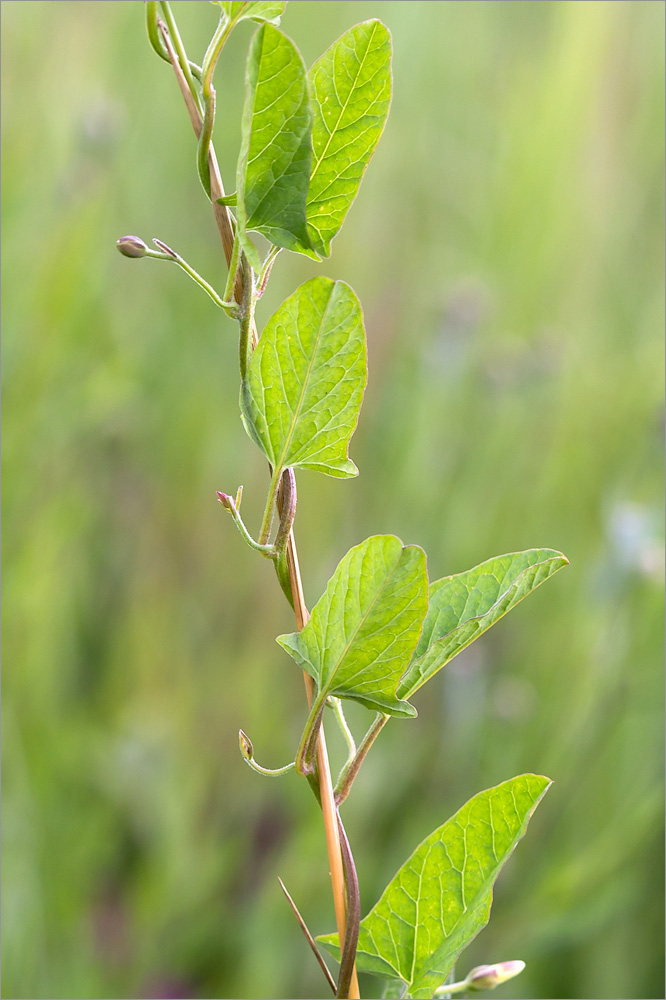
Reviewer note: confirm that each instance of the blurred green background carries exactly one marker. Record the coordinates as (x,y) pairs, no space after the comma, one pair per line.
(507,245)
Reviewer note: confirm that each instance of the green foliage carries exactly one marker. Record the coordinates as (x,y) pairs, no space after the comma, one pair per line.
(440,898)
(364,629)
(350,90)
(258,10)
(300,402)
(276,145)
(515,328)
(304,387)
(463,607)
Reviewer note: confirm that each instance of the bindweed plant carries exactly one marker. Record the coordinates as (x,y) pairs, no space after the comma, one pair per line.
(380,631)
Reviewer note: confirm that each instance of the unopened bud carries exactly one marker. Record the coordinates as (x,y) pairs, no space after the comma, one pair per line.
(245,744)
(132,246)
(487,977)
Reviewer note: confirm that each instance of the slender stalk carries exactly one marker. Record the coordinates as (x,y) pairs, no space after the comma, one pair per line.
(311,941)
(265,272)
(222,217)
(336,705)
(208,93)
(215,46)
(247,750)
(353,766)
(168,254)
(230,504)
(156,39)
(329,809)
(183,61)
(270,507)
(445,991)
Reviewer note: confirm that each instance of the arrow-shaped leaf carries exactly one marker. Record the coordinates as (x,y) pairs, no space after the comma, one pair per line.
(441,897)
(364,629)
(305,383)
(350,88)
(256,10)
(276,147)
(462,607)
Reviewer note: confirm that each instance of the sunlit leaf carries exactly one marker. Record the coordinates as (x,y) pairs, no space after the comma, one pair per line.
(301,399)
(441,897)
(276,147)
(257,10)
(350,91)
(462,607)
(364,629)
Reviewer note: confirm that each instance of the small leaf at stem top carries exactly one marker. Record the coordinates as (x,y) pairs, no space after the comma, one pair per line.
(463,607)
(350,91)
(302,396)
(441,897)
(255,10)
(276,146)
(364,628)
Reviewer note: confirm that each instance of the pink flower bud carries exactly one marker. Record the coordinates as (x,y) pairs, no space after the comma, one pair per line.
(132,246)
(487,977)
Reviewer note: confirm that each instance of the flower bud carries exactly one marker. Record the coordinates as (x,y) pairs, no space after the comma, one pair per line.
(132,246)
(487,977)
(245,744)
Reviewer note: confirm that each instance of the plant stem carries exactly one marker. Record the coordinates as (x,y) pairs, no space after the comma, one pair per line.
(208,93)
(183,61)
(222,217)
(328,807)
(156,39)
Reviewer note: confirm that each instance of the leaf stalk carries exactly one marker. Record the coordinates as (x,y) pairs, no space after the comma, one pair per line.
(166,253)
(229,504)
(247,752)
(349,772)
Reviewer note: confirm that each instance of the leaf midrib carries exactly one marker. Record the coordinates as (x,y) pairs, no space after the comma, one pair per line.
(297,411)
(477,618)
(365,616)
(344,107)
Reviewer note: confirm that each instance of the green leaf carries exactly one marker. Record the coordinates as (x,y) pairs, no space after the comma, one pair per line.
(228,199)
(276,147)
(270,10)
(302,395)
(350,91)
(441,897)
(364,629)
(463,607)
